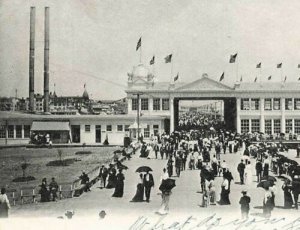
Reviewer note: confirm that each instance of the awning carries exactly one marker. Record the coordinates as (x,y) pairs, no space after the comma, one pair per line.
(50,126)
(135,126)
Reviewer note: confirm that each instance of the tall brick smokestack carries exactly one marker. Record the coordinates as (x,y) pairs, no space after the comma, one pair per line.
(46,61)
(31,59)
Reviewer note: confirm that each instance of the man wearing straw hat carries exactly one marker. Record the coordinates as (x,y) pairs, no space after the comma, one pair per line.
(244,202)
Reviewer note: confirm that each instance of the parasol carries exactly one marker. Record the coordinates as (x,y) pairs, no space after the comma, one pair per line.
(286,177)
(269,178)
(167,185)
(265,184)
(118,151)
(143,169)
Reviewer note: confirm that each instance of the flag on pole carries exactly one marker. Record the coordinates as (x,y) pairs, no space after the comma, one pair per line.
(232,58)
(279,65)
(152,61)
(176,78)
(168,58)
(138,45)
(258,65)
(255,79)
(285,79)
(222,76)
(270,77)
(241,79)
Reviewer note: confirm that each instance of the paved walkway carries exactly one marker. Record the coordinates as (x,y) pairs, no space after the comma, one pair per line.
(185,199)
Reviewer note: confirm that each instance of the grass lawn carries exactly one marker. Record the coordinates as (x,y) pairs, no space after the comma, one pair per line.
(11,160)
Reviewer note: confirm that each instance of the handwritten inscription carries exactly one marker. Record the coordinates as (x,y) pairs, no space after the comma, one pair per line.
(215,222)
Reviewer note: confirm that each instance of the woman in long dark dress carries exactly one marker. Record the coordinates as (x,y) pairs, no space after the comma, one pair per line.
(45,194)
(225,192)
(119,189)
(111,177)
(288,200)
(139,195)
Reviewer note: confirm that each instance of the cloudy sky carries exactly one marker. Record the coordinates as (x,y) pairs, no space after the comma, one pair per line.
(93,41)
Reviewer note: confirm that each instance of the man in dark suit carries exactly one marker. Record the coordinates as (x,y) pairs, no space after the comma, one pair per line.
(241,170)
(148,184)
(103,175)
(259,169)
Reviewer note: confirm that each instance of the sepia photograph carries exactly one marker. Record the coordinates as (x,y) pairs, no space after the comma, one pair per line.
(149,115)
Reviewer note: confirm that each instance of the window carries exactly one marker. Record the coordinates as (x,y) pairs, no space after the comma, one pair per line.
(268,126)
(108,128)
(297,103)
(288,104)
(277,127)
(254,104)
(87,128)
(26,131)
(155,129)
(2,131)
(156,104)
(120,128)
(165,104)
(245,104)
(276,103)
(144,104)
(134,104)
(268,104)
(297,126)
(244,126)
(147,132)
(255,125)
(288,126)
(18,131)
(126,128)
(10,131)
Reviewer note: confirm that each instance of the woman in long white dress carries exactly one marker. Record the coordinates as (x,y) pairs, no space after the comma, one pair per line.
(248,174)
(151,152)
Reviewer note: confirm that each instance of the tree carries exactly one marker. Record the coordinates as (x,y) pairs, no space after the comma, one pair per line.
(24,166)
(59,153)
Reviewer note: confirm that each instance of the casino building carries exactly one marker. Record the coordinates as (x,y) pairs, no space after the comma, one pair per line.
(268,107)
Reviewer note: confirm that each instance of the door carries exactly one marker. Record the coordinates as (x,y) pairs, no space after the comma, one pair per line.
(75,129)
(98,133)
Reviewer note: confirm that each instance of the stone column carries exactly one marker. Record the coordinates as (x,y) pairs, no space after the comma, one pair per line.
(282,107)
(238,117)
(262,115)
(150,105)
(171,114)
(22,131)
(129,103)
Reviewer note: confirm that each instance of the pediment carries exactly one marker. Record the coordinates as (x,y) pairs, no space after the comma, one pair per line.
(203,84)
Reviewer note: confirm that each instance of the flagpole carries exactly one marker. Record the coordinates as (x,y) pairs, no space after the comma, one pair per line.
(237,69)
(172,68)
(141,54)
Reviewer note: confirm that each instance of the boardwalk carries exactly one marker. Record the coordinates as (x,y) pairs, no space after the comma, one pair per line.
(185,200)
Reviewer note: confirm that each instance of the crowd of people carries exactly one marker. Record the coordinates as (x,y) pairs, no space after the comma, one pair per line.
(199,121)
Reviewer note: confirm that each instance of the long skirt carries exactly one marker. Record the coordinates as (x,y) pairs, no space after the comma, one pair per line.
(164,208)
(288,200)
(139,195)
(119,190)
(224,196)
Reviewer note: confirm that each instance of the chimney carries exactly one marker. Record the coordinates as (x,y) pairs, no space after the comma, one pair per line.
(46,62)
(31,59)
